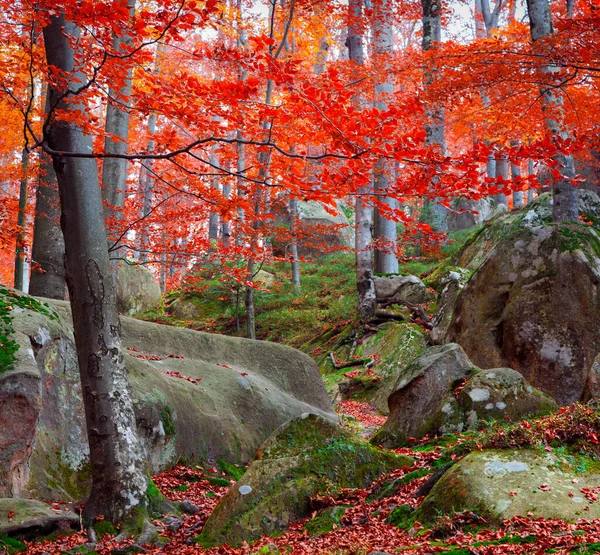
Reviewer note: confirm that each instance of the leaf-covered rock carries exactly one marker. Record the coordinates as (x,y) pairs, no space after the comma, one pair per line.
(306,457)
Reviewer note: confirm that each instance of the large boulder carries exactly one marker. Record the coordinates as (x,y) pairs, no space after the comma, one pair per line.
(503,484)
(321,231)
(395,346)
(442,392)
(28,518)
(397,289)
(197,396)
(137,289)
(306,457)
(467,213)
(531,294)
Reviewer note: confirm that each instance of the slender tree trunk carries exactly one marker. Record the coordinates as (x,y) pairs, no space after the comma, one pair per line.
(213,218)
(21,223)
(383,172)
(118,467)
(530,172)
(147,185)
(365,282)
(515,173)
(294,245)
(502,171)
(48,248)
(434,112)
(250,315)
(565,207)
(114,170)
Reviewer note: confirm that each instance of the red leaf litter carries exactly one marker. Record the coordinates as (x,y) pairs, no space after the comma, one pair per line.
(368,415)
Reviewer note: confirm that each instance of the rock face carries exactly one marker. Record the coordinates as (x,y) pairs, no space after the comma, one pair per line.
(396,345)
(442,392)
(530,297)
(468,213)
(397,289)
(33,518)
(197,396)
(502,484)
(137,289)
(305,457)
(321,231)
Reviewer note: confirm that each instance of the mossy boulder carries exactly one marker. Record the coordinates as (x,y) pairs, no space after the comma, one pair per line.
(502,484)
(137,289)
(394,346)
(33,518)
(530,298)
(442,392)
(306,457)
(397,289)
(197,396)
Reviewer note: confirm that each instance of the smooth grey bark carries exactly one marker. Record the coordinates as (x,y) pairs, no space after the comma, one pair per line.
(147,186)
(213,217)
(502,171)
(294,245)
(530,172)
(21,234)
(365,280)
(515,174)
(48,247)
(118,466)
(386,261)
(114,170)
(565,206)
(434,113)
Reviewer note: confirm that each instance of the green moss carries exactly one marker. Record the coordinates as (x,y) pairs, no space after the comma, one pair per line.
(104,527)
(11,545)
(166,417)
(233,470)
(222,482)
(402,517)
(390,488)
(325,520)
(154,498)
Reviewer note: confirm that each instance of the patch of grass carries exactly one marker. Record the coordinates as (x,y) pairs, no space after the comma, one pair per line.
(11,545)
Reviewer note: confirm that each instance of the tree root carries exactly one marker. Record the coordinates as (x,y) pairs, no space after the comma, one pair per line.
(368,362)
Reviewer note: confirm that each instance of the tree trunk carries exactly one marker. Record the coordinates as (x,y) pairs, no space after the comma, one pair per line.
(530,172)
(383,172)
(114,170)
(565,207)
(515,174)
(147,185)
(434,113)
(365,282)
(213,218)
(118,467)
(294,245)
(502,171)
(21,223)
(48,248)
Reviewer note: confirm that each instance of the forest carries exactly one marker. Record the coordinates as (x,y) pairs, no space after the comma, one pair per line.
(300,276)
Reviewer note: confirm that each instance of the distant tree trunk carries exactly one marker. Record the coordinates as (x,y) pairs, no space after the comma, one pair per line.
(118,467)
(249,300)
(383,172)
(515,173)
(21,234)
(434,112)
(294,245)
(530,172)
(565,207)
(147,186)
(502,171)
(114,170)
(213,217)
(48,247)
(365,282)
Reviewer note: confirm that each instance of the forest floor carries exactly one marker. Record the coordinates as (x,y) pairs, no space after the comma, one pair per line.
(377,518)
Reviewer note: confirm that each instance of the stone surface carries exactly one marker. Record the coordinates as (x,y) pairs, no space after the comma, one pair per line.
(442,392)
(451,286)
(467,213)
(422,391)
(395,345)
(33,518)
(137,289)
(322,231)
(502,484)
(305,457)
(531,296)
(237,393)
(396,288)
